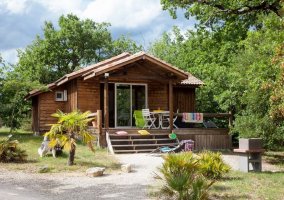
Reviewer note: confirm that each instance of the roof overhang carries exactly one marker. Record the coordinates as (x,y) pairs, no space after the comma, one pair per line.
(134,58)
(114,63)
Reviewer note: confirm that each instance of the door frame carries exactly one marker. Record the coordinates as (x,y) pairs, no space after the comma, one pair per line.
(115,101)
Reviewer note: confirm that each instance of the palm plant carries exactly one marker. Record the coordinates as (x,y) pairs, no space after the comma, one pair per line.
(10,152)
(181,177)
(189,176)
(69,128)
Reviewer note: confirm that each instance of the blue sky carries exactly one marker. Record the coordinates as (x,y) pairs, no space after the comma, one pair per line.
(142,20)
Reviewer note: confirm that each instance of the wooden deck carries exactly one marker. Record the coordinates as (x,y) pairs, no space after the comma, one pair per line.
(204,138)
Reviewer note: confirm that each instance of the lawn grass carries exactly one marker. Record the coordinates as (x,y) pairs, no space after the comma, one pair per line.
(239,185)
(84,157)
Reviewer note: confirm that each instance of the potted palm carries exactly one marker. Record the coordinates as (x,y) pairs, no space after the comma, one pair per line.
(69,128)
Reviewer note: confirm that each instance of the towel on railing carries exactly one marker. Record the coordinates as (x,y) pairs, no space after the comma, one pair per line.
(192,117)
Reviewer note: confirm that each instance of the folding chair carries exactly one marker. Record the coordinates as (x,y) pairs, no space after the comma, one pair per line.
(149,119)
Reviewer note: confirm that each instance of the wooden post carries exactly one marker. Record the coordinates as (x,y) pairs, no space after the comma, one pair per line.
(230,119)
(106,113)
(171,105)
(106,110)
(99,126)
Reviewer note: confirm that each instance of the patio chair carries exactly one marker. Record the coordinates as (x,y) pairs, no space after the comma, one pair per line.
(166,119)
(209,124)
(149,119)
(139,120)
(184,145)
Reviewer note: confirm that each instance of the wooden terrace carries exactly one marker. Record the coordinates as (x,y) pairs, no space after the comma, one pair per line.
(133,142)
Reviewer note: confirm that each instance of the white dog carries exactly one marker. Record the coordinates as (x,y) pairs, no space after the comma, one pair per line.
(44,148)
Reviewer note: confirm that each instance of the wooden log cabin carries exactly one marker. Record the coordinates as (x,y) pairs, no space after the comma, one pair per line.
(117,87)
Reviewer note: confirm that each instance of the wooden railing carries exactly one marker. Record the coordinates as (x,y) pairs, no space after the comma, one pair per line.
(229,116)
(97,124)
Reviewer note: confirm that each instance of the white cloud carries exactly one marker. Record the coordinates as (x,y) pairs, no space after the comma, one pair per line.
(123,13)
(62,6)
(14,6)
(120,13)
(10,55)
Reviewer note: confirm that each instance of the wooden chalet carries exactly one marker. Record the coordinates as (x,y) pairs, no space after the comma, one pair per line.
(114,88)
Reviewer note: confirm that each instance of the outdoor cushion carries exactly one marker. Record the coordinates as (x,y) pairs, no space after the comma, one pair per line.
(143,132)
(121,132)
(139,120)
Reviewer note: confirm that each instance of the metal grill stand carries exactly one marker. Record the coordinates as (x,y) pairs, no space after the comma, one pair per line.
(250,152)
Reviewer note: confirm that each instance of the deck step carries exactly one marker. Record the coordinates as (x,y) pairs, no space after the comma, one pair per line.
(134,151)
(136,143)
(143,145)
(141,140)
(138,135)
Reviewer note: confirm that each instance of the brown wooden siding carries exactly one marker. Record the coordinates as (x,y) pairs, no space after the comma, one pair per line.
(88,95)
(184,99)
(85,95)
(48,106)
(158,96)
(72,102)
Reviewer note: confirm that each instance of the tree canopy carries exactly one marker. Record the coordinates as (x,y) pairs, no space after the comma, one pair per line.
(215,11)
(74,44)
(236,50)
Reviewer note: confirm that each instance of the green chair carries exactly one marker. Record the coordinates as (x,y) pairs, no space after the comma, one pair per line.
(139,120)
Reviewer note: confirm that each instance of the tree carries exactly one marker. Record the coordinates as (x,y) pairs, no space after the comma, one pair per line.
(68,129)
(238,74)
(13,107)
(76,43)
(124,44)
(209,12)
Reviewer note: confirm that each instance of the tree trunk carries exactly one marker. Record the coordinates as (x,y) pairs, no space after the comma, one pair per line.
(71,155)
(72,151)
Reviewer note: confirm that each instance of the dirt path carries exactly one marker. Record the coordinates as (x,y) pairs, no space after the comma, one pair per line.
(124,186)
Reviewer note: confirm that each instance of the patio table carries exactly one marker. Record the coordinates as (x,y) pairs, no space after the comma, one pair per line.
(160,116)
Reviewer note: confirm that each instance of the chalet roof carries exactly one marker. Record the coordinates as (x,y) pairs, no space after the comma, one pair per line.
(115,63)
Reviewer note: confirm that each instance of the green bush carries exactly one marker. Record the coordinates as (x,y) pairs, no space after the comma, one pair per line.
(211,165)
(26,124)
(188,176)
(262,127)
(10,152)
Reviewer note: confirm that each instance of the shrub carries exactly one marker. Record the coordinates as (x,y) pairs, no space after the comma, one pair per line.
(262,127)
(26,124)
(211,165)
(187,176)
(10,152)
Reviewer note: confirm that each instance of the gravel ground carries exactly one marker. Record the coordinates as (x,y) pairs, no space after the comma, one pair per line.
(123,186)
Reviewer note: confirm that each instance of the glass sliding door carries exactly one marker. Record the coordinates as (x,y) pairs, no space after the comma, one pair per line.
(138,99)
(123,105)
(128,97)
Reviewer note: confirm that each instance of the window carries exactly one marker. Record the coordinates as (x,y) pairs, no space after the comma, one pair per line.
(61,95)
